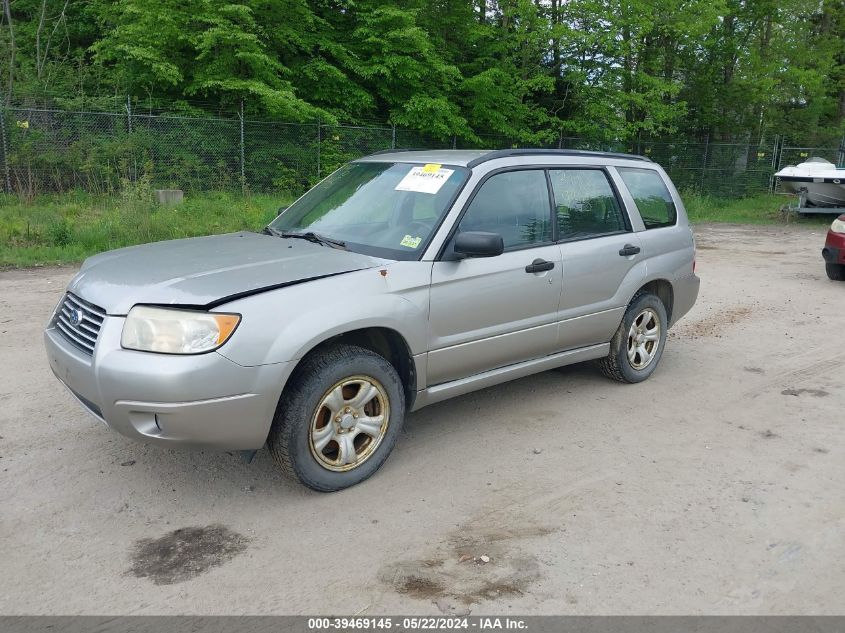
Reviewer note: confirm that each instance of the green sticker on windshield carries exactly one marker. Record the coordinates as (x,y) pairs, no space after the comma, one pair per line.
(410,241)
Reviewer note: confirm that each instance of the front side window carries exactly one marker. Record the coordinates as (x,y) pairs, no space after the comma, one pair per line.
(384,209)
(585,204)
(656,207)
(514,204)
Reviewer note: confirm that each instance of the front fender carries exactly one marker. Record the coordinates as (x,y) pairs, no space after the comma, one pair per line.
(285,324)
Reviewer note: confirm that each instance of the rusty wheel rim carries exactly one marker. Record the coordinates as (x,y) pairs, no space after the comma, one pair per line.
(349,424)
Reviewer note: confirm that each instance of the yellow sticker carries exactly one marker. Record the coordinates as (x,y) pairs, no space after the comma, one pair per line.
(410,241)
(431,168)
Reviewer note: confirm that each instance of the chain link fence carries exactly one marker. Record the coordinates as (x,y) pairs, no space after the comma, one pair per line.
(50,150)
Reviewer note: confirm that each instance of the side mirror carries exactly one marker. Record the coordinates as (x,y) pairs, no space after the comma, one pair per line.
(478,244)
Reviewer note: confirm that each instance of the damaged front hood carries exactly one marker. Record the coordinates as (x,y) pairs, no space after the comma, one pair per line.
(207,271)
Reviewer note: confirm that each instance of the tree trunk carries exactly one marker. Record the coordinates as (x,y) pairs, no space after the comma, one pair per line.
(38,31)
(41,57)
(555,20)
(7,11)
(628,77)
(728,69)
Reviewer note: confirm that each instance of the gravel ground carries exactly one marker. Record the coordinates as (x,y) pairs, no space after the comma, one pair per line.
(715,487)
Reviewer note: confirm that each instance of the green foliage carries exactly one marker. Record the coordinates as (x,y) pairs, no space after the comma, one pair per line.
(58,229)
(232,63)
(613,71)
(67,228)
(144,43)
(760,209)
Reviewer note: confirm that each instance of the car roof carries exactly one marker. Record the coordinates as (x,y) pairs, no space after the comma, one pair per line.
(471,158)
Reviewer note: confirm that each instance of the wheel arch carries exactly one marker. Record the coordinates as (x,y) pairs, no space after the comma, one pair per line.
(384,341)
(664,291)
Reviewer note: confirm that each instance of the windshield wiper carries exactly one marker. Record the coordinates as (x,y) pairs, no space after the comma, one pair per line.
(311,236)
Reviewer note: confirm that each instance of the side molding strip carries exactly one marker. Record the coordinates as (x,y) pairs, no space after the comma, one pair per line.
(461,386)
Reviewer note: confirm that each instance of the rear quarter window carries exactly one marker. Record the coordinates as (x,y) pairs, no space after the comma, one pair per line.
(655,204)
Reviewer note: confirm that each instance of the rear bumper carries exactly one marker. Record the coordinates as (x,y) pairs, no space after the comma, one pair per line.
(202,401)
(685,294)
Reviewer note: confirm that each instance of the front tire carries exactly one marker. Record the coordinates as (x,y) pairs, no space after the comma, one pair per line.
(836,272)
(338,419)
(637,346)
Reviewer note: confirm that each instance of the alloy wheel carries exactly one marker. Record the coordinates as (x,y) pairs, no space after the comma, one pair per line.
(349,423)
(643,339)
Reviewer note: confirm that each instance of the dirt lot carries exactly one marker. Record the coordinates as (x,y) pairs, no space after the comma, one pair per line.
(715,487)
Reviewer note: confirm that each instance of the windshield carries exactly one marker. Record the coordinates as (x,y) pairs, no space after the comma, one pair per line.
(384,209)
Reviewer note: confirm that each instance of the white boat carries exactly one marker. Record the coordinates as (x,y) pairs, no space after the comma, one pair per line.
(821,183)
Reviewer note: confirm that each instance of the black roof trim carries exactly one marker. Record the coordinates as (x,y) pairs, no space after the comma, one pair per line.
(505,153)
(396,151)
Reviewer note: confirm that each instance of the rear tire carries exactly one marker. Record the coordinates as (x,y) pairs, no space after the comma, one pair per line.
(338,418)
(836,272)
(637,346)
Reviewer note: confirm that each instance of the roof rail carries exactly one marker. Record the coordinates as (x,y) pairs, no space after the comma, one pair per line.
(505,153)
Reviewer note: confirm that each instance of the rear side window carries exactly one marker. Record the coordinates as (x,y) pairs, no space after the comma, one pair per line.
(585,204)
(654,203)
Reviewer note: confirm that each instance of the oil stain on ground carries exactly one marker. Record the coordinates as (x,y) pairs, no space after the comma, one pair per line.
(455,576)
(818,393)
(185,553)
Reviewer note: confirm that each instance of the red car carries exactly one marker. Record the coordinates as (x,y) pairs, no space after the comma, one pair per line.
(834,250)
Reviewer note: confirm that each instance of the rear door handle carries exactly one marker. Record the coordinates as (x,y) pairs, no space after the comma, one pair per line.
(629,249)
(539,266)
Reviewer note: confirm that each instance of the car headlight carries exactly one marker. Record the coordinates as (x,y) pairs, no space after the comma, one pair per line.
(171,331)
(838,226)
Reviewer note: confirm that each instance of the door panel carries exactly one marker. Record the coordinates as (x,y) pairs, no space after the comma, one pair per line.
(490,312)
(495,311)
(593,273)
(593,224)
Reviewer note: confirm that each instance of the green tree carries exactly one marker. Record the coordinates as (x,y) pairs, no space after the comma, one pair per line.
(231,62)
(396,61)
(146,44)
(506,73)
(527,71)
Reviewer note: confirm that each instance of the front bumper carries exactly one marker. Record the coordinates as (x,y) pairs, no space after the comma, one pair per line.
(833,255)
(834,248)
(200,401)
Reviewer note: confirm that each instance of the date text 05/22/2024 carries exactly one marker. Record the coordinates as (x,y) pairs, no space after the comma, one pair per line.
(416,623)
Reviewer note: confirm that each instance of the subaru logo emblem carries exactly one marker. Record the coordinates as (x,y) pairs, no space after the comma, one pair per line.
(76,316)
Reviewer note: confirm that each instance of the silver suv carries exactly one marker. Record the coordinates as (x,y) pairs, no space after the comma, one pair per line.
(402,279)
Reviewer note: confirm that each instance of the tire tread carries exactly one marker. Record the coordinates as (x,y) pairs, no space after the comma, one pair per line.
(280,439)
(835,272)
(610,365)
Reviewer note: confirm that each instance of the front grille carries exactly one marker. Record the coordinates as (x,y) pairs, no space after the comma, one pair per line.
(80,322)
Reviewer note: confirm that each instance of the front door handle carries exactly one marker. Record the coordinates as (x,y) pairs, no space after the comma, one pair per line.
(539,266)
(629,249)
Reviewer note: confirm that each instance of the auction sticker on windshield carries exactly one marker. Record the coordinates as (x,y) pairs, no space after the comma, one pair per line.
(426,179)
